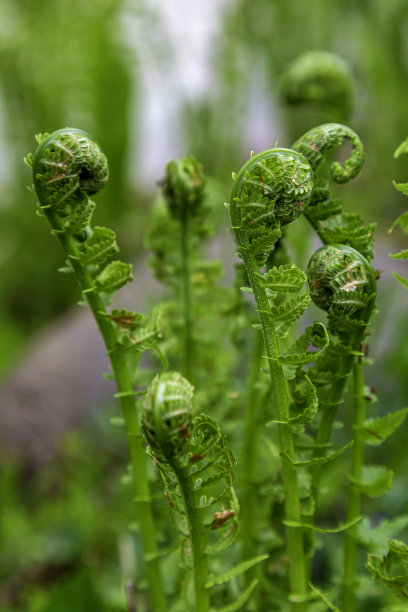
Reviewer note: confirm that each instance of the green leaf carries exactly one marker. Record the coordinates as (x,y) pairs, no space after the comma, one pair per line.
(284,279)
(402,187)
(392,569)
(100,245)
(401,279)
(305,403)
(316,335)
(340,527)
(376,537)
(401,255)
(114,276)
(240,600)
(236,570)
(324,210)
(318,460)
(402,222)
(324,598)
(402,148)
(291,310)
(375,431)
(375,481)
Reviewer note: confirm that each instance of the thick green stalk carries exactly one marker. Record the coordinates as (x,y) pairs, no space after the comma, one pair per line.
(185,294)
(250,500)
(280,399)
(354,494)
(198,539)
(130,415)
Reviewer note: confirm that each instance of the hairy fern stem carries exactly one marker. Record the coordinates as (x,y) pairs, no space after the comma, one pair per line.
(280,402)
(186,300)
(130,414)
(354,492)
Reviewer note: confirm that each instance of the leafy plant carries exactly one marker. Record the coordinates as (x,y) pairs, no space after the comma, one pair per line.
(274,403)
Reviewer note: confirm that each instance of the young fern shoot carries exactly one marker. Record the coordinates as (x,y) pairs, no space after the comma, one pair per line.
(183,189)
(271,190)
(69,166)
(197,467)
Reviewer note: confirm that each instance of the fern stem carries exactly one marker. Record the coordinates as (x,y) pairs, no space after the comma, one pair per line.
(249,501)
(280,400)
(198,540)
(186,304)
(354,494)
(130,414)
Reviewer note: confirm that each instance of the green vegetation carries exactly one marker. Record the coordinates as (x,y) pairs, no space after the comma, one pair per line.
(245,461)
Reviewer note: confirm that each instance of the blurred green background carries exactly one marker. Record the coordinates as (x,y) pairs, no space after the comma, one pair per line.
(154,80)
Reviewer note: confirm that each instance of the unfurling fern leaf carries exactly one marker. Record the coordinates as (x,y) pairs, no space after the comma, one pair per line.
(197,466)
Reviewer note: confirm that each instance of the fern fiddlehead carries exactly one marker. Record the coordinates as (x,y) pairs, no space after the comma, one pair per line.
(324,214)
(272,189)
(183,189)
(343,283)
(322,80)
(197,466)
(68,167)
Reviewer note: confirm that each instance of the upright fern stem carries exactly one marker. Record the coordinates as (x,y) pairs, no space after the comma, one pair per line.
(68,167)
(272,189)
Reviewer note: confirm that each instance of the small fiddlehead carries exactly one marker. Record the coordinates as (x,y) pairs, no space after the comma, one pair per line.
(402,220)
(68,167)
(272,189)
(326,215)
(322,80)
(342,282)
(197,466)
(183,187)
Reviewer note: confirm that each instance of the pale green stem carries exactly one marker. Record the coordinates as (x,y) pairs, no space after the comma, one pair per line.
(198,540)
(280,400)
(354,493)
(250,474)
(129,410)
(186,304)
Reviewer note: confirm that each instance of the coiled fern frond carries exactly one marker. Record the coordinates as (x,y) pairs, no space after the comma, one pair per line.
(271,190)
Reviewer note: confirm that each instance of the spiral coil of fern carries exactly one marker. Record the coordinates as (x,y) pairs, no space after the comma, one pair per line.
(342,283)
(167,422)
(68,166)
(272,189)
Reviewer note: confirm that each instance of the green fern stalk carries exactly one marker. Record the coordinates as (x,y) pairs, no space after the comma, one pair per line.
(68,166)
(270,190)
(354,491)
(183,189)
(197,469)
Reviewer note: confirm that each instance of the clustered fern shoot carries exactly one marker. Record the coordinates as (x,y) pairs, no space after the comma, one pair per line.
(293,383)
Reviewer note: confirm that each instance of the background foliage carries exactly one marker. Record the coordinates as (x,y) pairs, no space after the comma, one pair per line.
(95,65)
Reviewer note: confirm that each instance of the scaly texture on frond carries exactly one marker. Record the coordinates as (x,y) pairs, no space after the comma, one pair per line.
(342,283)
(69,166)
(271,189)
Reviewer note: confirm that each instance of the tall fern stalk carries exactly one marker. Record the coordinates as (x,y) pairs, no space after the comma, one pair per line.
(283,175)
(354,492)
(67,166)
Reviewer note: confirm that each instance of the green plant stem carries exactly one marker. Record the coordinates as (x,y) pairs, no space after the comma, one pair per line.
(249,503)
(280,399)
(186,304)
(130,414)
(198,539)
(354,494)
